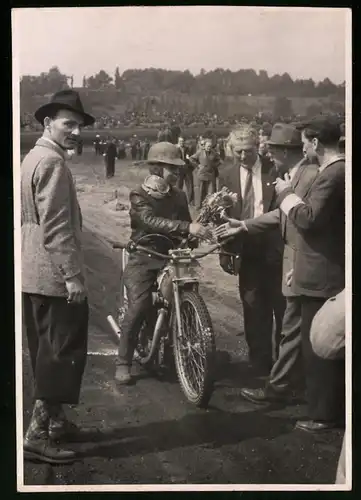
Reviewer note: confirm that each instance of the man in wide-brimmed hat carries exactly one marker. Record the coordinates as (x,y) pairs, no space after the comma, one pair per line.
(55,307)
(157,206)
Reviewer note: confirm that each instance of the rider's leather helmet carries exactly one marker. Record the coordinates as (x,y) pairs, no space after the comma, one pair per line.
(165,152)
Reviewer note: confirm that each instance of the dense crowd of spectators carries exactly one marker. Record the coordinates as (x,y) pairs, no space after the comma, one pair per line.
(143,119)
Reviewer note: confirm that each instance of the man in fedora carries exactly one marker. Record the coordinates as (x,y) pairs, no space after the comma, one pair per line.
(55,307)
(259,268)
(285,147)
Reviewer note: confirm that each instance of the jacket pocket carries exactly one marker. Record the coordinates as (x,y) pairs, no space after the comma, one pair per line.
(310,271)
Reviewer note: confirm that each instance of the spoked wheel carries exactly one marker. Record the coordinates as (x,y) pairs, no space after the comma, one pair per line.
(194,351)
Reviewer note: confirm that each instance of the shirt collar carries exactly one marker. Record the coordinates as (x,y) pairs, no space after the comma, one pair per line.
(330,161)
(52,142)
(53,145)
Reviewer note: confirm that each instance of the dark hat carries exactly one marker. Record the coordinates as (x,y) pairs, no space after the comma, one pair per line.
(64,99)
(324,126)
(285,135)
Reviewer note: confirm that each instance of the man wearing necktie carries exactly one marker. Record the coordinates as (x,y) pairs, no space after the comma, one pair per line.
(186,175)
(259,267)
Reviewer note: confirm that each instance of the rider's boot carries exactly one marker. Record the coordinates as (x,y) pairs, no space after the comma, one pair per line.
(123,374)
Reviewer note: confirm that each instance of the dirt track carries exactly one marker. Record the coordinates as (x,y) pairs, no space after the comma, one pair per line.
(149,434)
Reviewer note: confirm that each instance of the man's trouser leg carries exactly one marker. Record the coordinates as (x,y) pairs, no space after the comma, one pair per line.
(138,280)
(180,180)
(112,167)
(214,185)
(203,191)
(257,313)
(325,378)
(274,291)
(189,186)
(57,334)
(288,367)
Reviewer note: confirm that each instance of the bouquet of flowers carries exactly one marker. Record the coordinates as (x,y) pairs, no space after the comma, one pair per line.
(215,205)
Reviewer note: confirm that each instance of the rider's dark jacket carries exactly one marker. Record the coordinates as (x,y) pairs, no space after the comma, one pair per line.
(169,216)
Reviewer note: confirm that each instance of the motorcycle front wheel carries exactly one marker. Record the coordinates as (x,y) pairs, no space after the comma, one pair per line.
(195,349)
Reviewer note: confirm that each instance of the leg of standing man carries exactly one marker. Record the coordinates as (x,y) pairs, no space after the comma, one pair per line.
(258,313)
(189,186)
(203,191)
(287,372)
(180,179)
(111,167)
(57,335)
(325,378)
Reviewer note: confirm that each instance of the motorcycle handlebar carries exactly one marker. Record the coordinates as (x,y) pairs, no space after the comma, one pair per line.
(194,255)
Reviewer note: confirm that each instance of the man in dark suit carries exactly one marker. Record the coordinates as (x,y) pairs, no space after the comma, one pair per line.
(186,174)
(110,155)
(285,146)
(319,264)
(259,268)
(134,142)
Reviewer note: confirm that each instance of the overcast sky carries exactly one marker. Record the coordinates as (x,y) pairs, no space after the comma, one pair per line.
(306,43)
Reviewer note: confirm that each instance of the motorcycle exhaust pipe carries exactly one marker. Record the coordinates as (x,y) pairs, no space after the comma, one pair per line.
(114,325)
(157,333)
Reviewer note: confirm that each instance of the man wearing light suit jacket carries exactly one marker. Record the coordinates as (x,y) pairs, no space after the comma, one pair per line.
(55,307)
(285,146)
(319,265)
(259,268)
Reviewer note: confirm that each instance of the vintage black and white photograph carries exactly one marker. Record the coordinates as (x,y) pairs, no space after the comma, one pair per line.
(182,184)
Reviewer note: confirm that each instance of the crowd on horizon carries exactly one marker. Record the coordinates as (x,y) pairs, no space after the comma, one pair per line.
(140,118)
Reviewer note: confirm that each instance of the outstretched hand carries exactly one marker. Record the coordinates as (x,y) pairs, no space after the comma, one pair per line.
(229,229)
(199,231)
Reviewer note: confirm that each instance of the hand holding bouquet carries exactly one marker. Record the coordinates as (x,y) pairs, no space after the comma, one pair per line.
(215,206)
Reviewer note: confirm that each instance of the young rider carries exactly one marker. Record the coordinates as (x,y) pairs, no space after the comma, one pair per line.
(156,207)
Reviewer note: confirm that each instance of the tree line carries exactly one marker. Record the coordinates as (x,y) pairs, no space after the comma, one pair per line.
(221,82)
